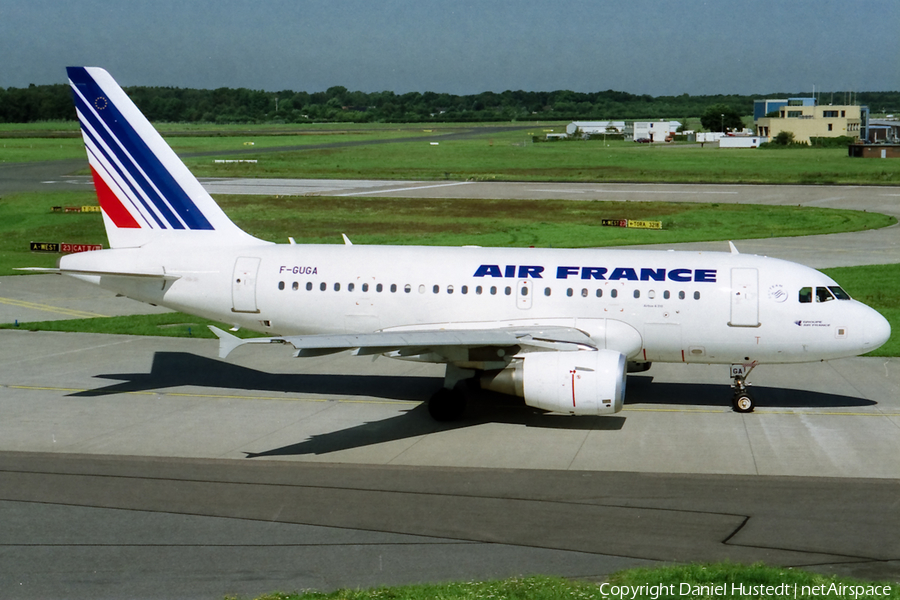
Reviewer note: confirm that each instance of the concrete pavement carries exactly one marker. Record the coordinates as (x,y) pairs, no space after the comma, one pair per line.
(149,465)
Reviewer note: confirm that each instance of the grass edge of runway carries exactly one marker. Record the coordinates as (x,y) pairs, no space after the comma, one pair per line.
(29,217)
(693,581)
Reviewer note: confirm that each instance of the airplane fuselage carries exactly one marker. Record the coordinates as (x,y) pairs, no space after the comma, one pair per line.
(703,307)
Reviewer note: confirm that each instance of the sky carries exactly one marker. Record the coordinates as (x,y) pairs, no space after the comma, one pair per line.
(656,47)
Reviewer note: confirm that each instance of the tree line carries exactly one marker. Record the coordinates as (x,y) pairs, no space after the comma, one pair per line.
(338,104)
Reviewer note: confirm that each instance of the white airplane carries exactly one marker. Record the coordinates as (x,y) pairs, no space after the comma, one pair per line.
(559,328)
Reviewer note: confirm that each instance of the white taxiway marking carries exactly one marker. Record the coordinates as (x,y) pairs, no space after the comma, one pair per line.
(668,193)
(406,189)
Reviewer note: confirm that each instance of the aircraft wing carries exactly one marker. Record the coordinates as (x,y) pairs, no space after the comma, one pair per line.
(419,342)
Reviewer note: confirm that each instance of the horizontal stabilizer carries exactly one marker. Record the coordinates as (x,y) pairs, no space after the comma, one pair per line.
(145,275)
(228,342)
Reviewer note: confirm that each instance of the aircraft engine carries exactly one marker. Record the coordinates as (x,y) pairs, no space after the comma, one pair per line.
(578,383)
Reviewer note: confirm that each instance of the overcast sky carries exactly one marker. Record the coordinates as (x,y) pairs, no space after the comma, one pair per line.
(657,47)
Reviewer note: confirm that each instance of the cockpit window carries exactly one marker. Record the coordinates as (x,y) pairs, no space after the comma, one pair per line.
(838,292)
(823,295)
(805,295)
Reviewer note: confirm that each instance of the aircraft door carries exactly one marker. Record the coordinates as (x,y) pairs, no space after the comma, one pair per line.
(243,285)
(744,298)
(524,289)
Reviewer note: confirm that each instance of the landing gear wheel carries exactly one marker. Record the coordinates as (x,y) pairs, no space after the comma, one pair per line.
(743,403)
(447,405)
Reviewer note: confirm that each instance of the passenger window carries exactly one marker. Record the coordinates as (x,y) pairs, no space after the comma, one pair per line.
(637,293)
(547,291)
(524,290)
(839,293)
(309,286)
(651,294)
(823,295)
(584,293)
(805,295)
(614,293)
(681,295)
(464,289)
(350,287)
(449,289)
(478,290)
(666,294)
(507,291)
(436,289)
(406,288)
(569,292)
(379,288)
(280,285)
(599,293)
(337,287)
(323,286)
(493,290)
(696,295)
(421,288)
(296,286)
(365,287)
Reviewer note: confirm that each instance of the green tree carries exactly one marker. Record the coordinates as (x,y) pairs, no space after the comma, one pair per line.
(720,117)
(784,138)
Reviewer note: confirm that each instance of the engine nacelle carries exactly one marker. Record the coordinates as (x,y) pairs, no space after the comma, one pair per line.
(578,383)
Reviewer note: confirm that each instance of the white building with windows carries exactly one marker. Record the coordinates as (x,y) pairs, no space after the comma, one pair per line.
(805,119)
(655,131)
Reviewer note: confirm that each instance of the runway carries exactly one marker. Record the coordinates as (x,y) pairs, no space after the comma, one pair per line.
(150,465)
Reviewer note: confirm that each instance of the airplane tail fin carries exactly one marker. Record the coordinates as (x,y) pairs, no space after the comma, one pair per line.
(146,192)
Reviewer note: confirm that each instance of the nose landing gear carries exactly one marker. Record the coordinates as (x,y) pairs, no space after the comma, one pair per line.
(742,401)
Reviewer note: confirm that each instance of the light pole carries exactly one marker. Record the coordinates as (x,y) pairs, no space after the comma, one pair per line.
(723,122)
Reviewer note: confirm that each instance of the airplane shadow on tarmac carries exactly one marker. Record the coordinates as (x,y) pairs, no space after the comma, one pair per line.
(174,369)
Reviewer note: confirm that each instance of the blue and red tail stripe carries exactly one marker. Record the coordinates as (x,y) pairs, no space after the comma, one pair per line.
(126,162)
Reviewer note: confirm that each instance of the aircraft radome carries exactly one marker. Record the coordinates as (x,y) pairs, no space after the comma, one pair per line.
(557,327)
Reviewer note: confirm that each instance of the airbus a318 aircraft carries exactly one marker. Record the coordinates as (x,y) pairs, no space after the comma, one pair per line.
(560,328)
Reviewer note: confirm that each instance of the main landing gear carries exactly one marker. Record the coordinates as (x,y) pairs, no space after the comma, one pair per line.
(449,402)
(741,401)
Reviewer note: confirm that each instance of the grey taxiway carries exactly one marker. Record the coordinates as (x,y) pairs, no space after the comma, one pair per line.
(147,466)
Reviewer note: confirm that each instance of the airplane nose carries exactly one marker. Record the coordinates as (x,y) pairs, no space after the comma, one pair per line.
(877,330)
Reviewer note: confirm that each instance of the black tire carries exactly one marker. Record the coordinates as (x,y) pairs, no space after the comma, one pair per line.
(447,405)
(743,403)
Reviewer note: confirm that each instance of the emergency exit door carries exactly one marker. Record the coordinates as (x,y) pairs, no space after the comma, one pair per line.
(243,285)
(744,298)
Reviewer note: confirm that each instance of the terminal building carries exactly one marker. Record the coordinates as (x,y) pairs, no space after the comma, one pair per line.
(806,119)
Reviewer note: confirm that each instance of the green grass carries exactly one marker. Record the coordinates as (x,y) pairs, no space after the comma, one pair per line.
(53,144)
(27,217)
(507,156)
(694,576)
(511,223)
(15,150)
(171,324)
(511,157)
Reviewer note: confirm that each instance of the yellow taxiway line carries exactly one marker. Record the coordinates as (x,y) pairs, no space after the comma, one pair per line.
(69,312)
